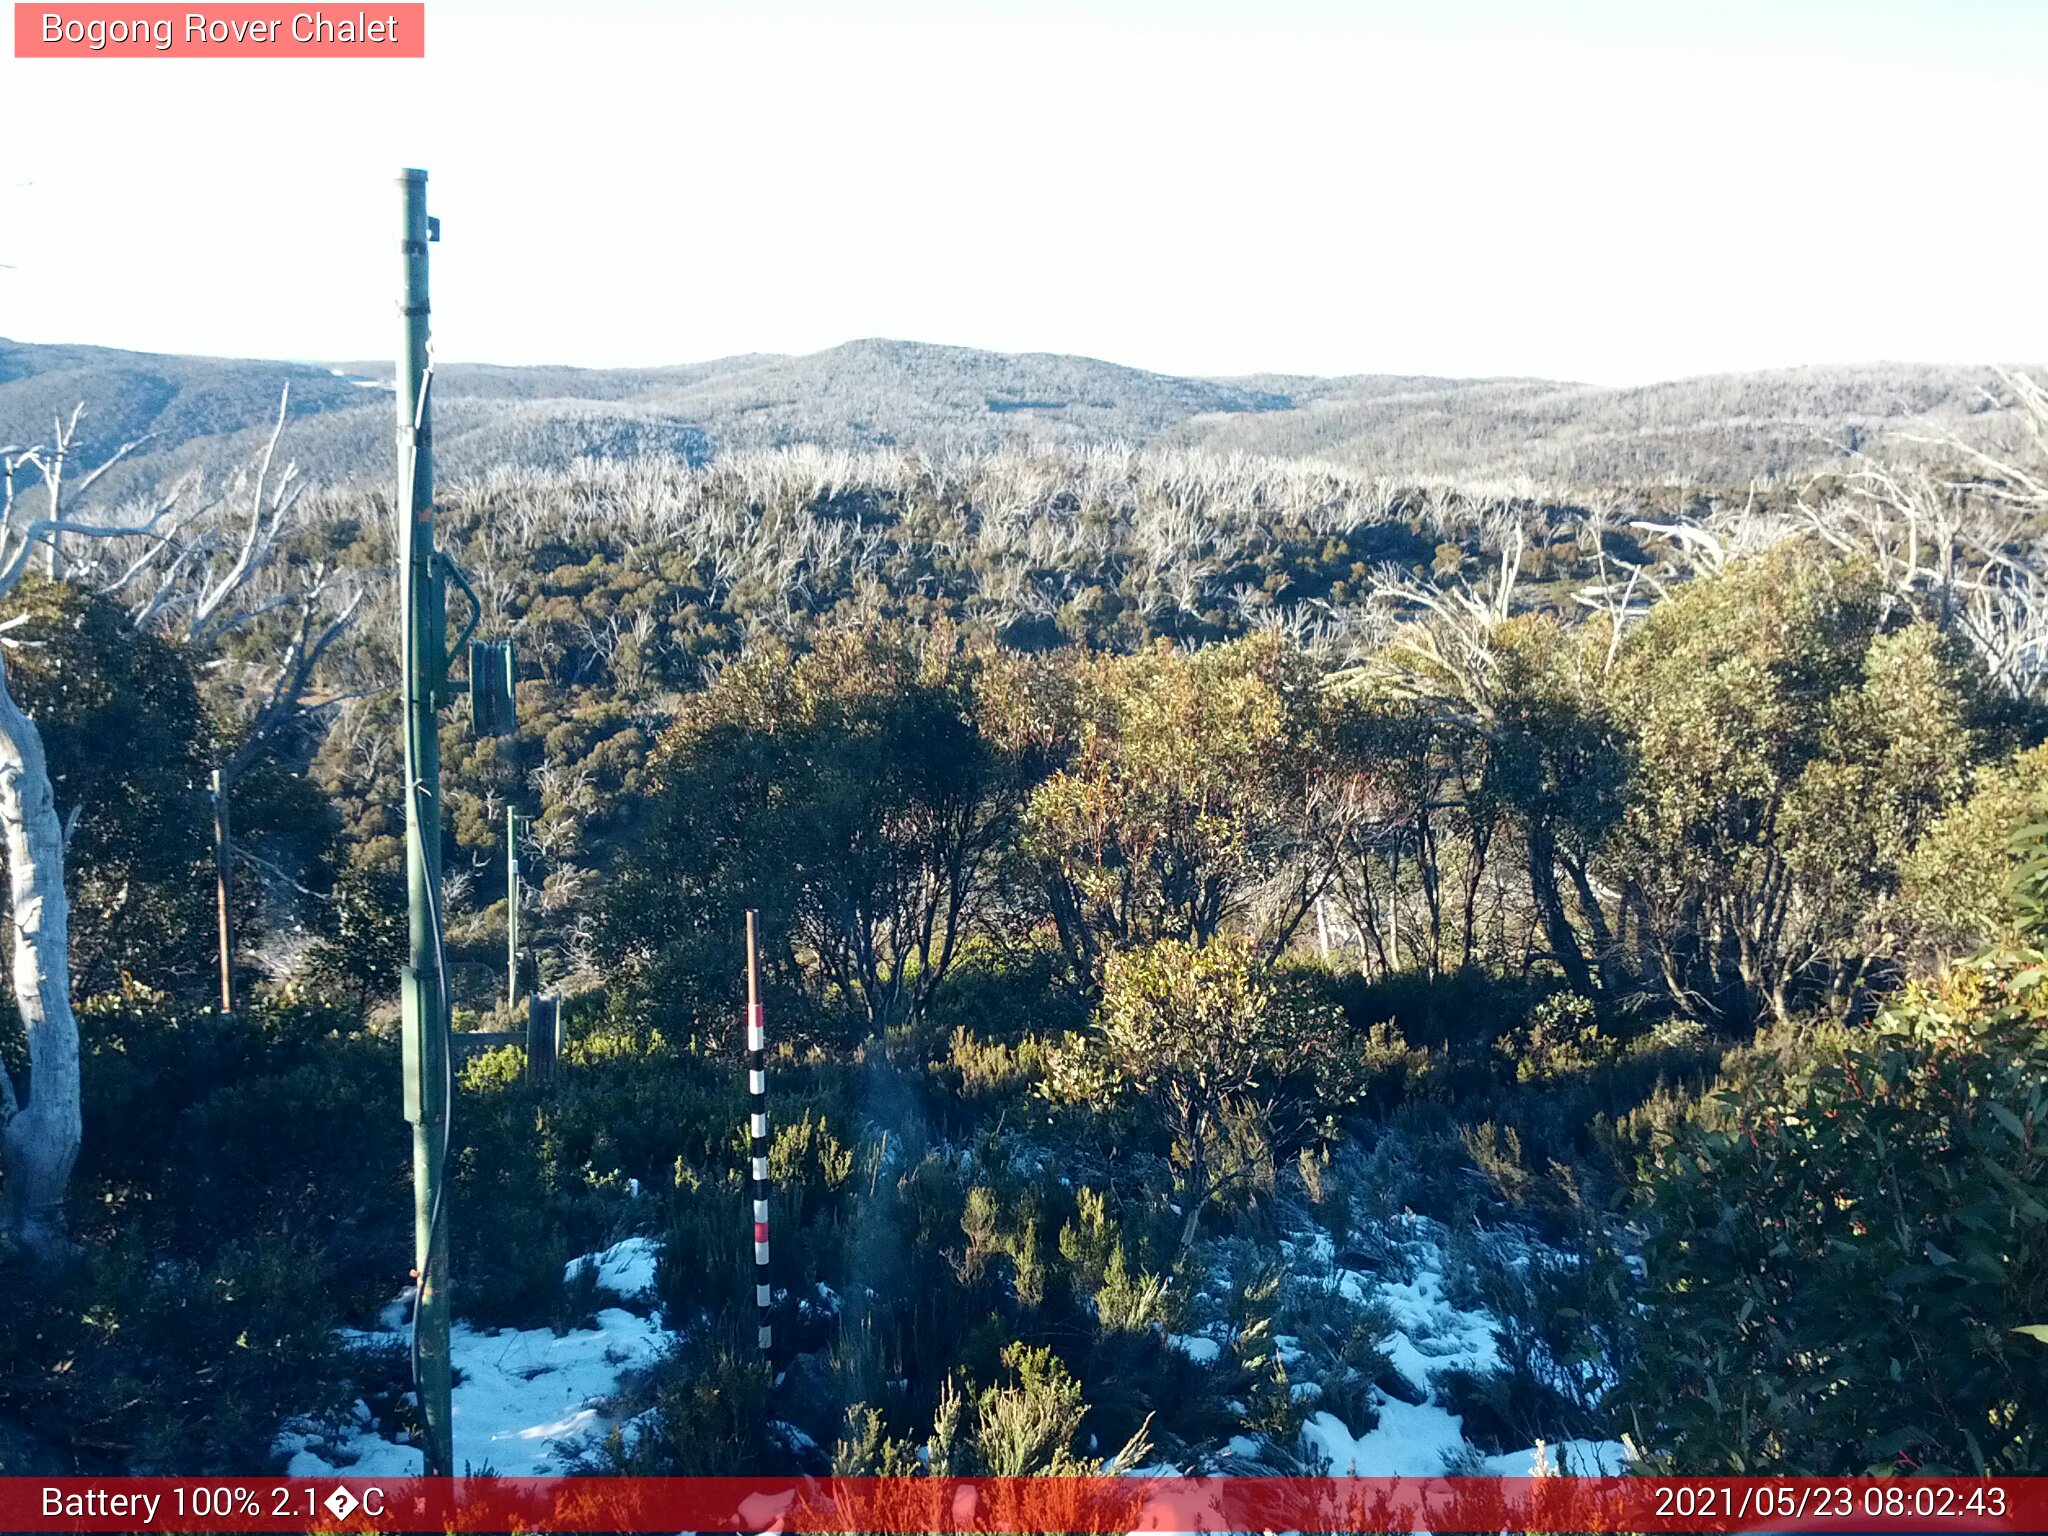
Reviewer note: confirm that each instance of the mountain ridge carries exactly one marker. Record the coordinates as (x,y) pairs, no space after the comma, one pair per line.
(195,412)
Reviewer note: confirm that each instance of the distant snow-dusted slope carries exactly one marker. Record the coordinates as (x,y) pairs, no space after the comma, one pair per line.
(197,412)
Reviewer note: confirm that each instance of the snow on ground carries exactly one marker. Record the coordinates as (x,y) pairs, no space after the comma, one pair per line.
(1420,1441)
(525,1397)
(625,1269)
(1431,1335)
(1408,1441)
(522,1395)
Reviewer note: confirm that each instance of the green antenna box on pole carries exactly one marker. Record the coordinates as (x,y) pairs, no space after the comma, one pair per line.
(493,679)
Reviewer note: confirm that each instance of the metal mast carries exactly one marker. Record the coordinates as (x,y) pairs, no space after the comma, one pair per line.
(428,1086)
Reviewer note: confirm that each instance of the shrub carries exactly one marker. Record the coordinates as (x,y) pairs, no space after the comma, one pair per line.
(135,1363)
(1029,1425)
(1128,1303)
(1228,1063)
(707,1255)
(865,1448)
(705,1414)
(1255,1373)
(126,738)
(985,1078)
(1561,1040)
(201,1130)
(1843,1256)
(1957,885)
(807,1166)
(1187,786)
(1496,1151)
(364,942)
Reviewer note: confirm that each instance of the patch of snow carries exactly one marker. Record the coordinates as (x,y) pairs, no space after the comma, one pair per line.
(1315,1247)
(637,1428)
(1408,1441)
(523,1397)
(826,1302)
(625,1269)
(1411,1441)
(1431,1335)
(1203,1351)
(791,1437)
(764,1511)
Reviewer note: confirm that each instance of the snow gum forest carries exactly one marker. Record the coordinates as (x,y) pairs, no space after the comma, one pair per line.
(1271,963)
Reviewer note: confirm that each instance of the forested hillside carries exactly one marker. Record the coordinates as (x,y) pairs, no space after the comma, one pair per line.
(1730,430)
(1270,966)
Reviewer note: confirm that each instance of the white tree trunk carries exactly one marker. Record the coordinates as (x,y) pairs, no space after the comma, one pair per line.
(40,1142)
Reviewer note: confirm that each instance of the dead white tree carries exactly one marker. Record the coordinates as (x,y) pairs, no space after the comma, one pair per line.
(228,566)
(1965,549)
(49,461)
(199,568)
(39,1142)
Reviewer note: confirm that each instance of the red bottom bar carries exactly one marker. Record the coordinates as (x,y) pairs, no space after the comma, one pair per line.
(1079,1504)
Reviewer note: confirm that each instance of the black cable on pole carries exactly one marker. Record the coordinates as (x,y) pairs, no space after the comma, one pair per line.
(436,1235)
(427,815)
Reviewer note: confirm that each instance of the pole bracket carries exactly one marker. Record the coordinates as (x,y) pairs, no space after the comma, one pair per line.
(445,570)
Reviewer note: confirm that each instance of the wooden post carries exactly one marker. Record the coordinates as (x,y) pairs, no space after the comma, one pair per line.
(757,1091)
(223,894)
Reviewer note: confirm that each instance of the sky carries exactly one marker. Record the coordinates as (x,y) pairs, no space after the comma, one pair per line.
(1615,192)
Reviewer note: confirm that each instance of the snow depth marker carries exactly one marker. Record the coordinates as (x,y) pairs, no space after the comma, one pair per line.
(757,1094)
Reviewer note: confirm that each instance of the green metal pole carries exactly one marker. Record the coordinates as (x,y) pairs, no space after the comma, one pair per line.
(512,820)
(424,664)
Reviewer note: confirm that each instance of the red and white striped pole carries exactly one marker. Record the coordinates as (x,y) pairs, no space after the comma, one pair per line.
(757,1092)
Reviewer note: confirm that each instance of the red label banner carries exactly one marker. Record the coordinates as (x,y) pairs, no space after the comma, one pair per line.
(1107,1504)
(376,31)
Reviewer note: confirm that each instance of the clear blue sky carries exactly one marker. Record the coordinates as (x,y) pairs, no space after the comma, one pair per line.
(1607,191)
